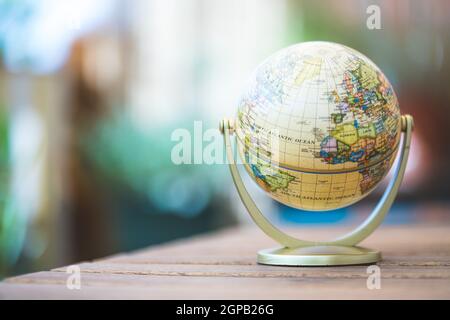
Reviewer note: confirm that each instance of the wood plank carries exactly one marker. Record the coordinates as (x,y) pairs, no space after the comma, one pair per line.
(250,259)
(261,271)
(51,285)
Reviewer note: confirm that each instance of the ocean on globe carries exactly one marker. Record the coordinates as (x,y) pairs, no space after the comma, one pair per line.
(335,120)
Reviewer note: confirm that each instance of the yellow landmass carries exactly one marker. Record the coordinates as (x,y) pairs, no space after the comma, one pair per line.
(367,131)
(345,133)
(369,76)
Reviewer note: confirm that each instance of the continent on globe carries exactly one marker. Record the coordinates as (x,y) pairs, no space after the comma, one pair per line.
(337,121)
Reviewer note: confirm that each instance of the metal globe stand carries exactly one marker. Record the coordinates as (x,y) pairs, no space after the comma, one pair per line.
(341,251)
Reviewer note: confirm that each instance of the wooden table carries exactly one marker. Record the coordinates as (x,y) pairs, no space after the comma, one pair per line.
(222,266)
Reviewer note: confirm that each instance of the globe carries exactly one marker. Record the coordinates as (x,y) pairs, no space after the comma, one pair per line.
(318,126)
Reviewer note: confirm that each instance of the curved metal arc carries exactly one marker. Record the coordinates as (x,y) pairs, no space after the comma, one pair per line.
(385,203)
(350,239)
(265,225)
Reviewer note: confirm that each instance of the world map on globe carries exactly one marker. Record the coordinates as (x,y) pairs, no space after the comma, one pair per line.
(335,120)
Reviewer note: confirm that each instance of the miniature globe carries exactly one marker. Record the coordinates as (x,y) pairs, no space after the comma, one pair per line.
(318,126)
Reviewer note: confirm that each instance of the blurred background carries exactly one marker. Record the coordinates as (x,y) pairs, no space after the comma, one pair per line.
(91,91)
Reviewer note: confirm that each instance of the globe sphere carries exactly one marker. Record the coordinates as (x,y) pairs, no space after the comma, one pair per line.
(318,126)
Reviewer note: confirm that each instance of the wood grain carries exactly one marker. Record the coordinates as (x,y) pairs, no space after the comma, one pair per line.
(416,265)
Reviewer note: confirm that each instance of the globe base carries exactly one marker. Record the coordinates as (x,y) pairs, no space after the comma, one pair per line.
(318,256)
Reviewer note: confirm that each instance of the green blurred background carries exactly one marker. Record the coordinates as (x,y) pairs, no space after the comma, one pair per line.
(91,91)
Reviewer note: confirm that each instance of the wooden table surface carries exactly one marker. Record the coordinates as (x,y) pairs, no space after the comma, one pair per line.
(222,266)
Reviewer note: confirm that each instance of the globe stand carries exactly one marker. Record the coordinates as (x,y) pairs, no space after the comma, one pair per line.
(341,251)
